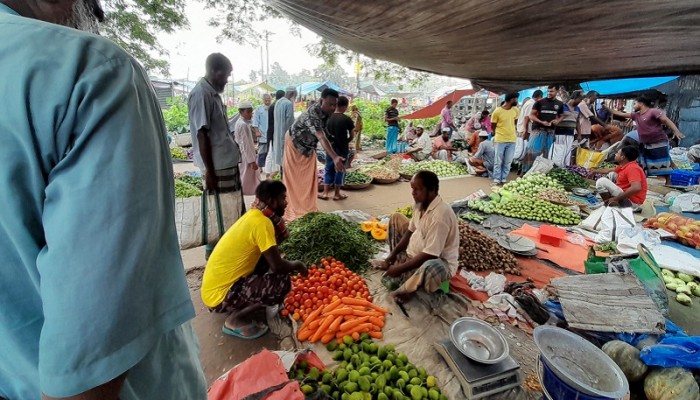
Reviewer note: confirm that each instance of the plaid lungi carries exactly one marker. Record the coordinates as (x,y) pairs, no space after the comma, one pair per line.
(228,180)
(428,276)
(261,288)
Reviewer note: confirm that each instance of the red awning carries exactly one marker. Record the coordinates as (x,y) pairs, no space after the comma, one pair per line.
(435,108)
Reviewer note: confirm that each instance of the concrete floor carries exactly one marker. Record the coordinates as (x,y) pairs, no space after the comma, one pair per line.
(220,352)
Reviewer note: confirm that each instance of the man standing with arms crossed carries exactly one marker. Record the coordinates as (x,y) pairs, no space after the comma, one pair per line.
(503,124)
(259,125)
(545,116)
(284,118)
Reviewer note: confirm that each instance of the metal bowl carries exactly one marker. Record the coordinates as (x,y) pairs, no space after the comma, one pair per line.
(478,340)
(581,191)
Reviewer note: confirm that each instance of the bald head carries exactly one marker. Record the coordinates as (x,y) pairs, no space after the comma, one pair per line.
(79,14)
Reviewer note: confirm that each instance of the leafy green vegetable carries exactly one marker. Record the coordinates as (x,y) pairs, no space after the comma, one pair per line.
(176,118)
(320,235)
(192,180)
(184,189)
(178,153)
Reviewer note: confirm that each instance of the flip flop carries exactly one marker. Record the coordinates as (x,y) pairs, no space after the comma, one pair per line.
(342,197)
(320,197)
(238,332)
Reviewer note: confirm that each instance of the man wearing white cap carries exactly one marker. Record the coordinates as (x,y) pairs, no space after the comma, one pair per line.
(442,146)
(483,158)
(284,118)
(250,178)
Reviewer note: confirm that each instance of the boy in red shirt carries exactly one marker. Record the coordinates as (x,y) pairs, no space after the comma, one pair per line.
(630,188)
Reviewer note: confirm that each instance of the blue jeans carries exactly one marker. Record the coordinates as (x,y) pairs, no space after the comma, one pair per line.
(504,158)
(332,177)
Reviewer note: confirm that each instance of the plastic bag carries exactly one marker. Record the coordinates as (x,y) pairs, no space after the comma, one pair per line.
(589,158)
(263,374)
(495,283)
(687,229)
(629,238)
(688,202)
(540,166)
(612,222)
(679,351)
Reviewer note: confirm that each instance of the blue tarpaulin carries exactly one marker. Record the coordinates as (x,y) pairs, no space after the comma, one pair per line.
(308,87)
(610,87)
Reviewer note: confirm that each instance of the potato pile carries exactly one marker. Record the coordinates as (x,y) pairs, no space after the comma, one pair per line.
(478,252)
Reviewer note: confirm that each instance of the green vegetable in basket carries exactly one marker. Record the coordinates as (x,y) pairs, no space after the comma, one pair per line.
(183,190)
(178,153)
(357,178)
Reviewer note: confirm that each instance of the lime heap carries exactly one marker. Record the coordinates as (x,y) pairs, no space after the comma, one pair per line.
(368,371)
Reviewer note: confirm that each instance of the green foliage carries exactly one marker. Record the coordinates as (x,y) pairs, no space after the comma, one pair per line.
(176,117)
(133,24)
(373,123)
(184,190)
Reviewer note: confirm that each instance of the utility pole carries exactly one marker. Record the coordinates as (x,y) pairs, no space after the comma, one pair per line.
(267,52)
(262,65)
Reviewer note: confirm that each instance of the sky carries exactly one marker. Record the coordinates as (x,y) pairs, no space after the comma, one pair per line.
(189,48)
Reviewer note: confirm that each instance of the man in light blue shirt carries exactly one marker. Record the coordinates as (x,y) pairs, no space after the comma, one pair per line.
(93,299)
(260,128)
(284,118)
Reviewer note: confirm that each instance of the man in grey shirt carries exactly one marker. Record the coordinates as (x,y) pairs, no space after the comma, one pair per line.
(284,118)
(215,151)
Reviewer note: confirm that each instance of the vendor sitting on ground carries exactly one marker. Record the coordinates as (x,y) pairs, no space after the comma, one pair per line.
(245,272)
(422,144)
(628,186)
(483,159)
(424,250)
(442,146)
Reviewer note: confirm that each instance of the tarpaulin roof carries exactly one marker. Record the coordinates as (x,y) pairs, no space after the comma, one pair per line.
(610,87)
(308,87)
(435,108)
(260,86)
(512,44)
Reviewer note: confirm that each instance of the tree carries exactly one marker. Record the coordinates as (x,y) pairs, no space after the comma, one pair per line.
(236,23)
(133,25)
(278,76)
(334,73)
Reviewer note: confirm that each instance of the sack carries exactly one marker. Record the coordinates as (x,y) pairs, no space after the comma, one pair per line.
(612,222)
(540,166)
(589,158)
(520,149)
(220,211)
(592,222)
(628,239)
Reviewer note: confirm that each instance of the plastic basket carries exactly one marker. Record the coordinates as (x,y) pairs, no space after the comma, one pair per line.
(681,177)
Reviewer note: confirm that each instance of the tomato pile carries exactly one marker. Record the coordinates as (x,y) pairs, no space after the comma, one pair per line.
(330,280)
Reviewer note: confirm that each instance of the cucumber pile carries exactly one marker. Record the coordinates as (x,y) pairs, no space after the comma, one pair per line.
(368,371)
(442,169)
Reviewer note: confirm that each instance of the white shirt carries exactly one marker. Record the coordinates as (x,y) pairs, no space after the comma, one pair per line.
(525,112)
(425,143)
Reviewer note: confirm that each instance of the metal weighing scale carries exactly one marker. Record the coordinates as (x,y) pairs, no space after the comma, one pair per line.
(479,380)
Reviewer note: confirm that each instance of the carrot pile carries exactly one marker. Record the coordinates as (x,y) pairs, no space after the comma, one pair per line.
(345,316)
(322,285)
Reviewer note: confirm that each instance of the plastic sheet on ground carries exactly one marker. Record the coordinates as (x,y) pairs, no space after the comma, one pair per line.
(568,255)
(670,258)
(429,322)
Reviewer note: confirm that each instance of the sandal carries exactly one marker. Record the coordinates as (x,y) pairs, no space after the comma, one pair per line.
(322,197)
(248,332)
(341,197)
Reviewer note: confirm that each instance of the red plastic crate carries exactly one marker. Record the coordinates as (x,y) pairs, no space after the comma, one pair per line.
(551,235)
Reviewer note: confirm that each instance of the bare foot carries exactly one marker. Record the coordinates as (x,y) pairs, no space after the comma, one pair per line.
(403,298)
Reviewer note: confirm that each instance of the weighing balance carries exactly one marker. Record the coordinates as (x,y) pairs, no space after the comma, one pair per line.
(479,380)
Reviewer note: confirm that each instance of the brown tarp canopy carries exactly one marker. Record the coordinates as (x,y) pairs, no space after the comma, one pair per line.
(506,45)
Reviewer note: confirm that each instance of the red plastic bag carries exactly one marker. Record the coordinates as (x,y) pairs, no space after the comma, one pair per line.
(263,372)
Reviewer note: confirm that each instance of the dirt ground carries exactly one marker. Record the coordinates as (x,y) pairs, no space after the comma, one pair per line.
(220,352)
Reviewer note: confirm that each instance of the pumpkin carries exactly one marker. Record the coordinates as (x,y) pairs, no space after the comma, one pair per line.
(626,357)
(379,234)
(382,226)
(367,226)
(671,384)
